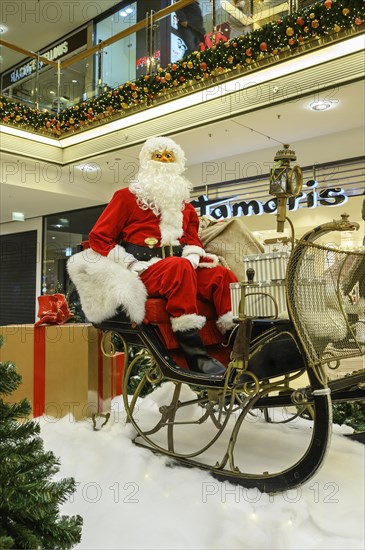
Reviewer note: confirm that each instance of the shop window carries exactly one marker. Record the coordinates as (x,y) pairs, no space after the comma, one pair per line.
(18,259)
(116,63)
(63,235)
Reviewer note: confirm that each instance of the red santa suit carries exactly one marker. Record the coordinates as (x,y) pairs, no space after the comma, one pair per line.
(174,278)
(126,259)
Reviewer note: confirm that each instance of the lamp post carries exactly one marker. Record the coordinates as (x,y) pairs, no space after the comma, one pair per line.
(285,182)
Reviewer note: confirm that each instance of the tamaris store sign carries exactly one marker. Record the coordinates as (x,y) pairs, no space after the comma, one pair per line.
(227,208)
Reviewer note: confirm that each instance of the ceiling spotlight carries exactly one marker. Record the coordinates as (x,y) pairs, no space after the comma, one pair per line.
(129,10)
(123,13)
(74,81)
(87,167)
(17,216)
(3,29)
(322,105)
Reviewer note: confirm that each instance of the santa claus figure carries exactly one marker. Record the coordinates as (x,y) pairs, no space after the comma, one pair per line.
(148,235)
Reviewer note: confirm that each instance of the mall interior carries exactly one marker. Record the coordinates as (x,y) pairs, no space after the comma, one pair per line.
(269,111)
(230,125)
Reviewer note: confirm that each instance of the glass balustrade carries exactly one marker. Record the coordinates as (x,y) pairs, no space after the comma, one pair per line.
(128,45)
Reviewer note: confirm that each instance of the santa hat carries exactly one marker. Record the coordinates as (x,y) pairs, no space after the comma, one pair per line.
(159,144)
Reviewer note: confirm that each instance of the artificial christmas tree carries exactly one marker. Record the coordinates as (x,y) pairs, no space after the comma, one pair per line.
(29,499)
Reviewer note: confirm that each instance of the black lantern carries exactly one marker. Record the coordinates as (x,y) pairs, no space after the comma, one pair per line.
(285,182)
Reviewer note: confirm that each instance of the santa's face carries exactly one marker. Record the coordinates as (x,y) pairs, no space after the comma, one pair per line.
(160,185)
(163,156)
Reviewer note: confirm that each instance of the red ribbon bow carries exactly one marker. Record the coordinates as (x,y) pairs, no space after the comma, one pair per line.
(53,308)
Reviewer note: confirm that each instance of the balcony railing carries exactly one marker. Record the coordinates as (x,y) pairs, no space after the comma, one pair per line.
(235,42)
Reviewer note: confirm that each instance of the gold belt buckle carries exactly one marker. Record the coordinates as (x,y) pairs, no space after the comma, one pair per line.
(163,250)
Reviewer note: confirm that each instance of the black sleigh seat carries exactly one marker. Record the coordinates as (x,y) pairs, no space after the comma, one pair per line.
(156,335)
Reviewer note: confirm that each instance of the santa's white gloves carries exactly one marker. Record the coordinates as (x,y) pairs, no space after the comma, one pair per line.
(120,256)
(193,259)
(138,267)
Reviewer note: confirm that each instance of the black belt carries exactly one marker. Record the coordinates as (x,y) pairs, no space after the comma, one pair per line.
(145,253)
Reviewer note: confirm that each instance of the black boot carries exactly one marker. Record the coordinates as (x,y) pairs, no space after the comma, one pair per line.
(196,354)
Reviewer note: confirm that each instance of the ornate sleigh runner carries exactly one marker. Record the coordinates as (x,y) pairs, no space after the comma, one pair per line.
(232,426)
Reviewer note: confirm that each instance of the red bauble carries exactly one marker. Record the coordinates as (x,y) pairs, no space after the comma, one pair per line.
(203,65)
(291,41)
(300,21)
(358,21)
(328,4)
(263,46)
(248,52)
(173,67)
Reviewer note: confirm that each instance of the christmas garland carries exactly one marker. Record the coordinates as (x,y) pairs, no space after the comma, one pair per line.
(286,34)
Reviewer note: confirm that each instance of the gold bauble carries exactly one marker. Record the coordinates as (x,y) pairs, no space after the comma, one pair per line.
(289,31)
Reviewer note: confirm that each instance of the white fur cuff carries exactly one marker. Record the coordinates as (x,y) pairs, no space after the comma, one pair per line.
(192,249)
(213,263)
(225,322)
(187,322)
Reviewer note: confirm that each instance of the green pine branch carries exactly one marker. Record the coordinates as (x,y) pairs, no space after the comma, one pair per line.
(29,497)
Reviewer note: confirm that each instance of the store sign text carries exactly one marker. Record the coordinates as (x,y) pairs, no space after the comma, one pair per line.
(225,208)
(30,67)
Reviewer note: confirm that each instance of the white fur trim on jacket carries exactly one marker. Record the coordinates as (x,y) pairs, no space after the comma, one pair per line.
(103,286)
(213,263)
(192,249)
(187,322)
(120,256)
(225,322)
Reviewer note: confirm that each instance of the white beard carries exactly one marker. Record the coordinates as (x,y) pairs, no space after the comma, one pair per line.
(161,188)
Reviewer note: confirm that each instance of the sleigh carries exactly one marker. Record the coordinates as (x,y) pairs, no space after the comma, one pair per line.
(236,424)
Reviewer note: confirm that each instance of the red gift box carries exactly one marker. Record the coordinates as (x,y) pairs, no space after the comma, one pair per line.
(63,370)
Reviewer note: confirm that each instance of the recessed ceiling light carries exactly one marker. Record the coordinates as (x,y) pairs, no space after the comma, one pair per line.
(17,216)
(322,105)
(52,92)
(87,167)
(129,10)
(74,81)
(3,29)
(123,13)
